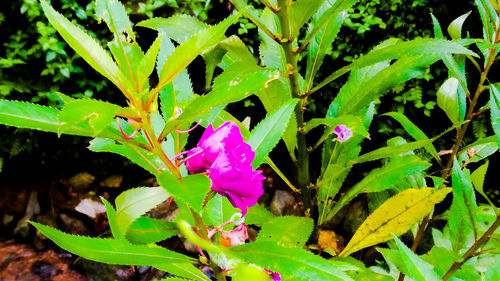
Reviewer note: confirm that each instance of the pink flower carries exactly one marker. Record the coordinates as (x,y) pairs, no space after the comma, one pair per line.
(227,160)
(275,275)
(235,237)
(343,133)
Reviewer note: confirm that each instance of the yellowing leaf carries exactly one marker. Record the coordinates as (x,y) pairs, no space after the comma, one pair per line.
(396,215)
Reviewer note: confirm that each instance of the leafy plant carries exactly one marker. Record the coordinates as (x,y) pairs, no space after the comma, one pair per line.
(216,184)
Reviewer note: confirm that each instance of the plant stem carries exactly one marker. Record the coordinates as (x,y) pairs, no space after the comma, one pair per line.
(472,250)
(460,135)
(461,132)
(302,163)
(156,146)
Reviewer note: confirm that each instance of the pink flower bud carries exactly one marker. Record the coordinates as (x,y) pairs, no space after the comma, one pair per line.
(275,275)
(235,237)
(343,133)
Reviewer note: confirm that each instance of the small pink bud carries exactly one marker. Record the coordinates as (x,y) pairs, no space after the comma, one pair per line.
(235,237)
(343,133)
(275,275)
(471,152)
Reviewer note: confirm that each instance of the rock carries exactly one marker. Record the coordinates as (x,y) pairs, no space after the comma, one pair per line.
(113,181)
(284,203)
(90,207)
(40,239)
(356,215)
(32,208)
(21,262)
(329,239)
(280,200)
(81,181)
(7,218)
(73,225)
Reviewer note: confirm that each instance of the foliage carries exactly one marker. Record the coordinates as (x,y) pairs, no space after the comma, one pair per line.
(152,126)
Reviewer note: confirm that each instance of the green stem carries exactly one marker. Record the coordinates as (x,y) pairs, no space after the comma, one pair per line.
(460,135)
(156,146)
(302,163)
(472,250)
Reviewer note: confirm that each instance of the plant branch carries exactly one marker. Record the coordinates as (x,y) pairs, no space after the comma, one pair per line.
(472,250)
(286,43)
(461,132)
(446,172)
(156,146)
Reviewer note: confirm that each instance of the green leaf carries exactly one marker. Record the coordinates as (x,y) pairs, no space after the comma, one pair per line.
(447,99)
(402,70)
(86,47)
(190,190)
(180,89)
(396,215)
(382,178)
(147,64)
(274,96)
(29,116)
(414,131)
(111,214)
(493,271)
(495,110)
(111,251)
(388,151)
(413,265)
(185,270)
(416,47)
(146,230)
(323,17)
(286,231)
(431,48)
(441,258)
(237,51)
(321,43)
(236,83)
(37,117)
(477,179)
(355,123)
(455,27)
(186,52)
(438,33)
(133,203)
(258,215)
(296,262)
(270,52)
(268,132)
(244,272)
(128,56)
(488,18)
(300,11)
(96,114)
(115,16)
(463,209)
(178,27)
(456,69)
(482,151)
(218,210)
(145,159)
